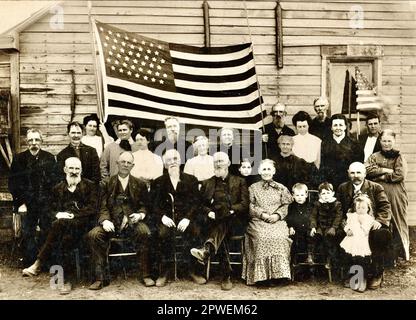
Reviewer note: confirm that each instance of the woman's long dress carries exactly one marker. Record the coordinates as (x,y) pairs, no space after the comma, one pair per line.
(267,245)
(395,189)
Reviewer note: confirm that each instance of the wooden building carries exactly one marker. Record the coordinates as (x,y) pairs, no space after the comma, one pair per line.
(313,38)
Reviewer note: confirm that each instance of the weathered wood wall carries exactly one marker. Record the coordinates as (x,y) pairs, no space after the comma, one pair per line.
(46,52)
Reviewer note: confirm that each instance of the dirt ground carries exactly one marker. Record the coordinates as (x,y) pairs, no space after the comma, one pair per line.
(399,283)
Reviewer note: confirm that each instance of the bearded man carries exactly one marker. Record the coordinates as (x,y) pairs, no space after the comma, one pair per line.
(74,205)
(225,203)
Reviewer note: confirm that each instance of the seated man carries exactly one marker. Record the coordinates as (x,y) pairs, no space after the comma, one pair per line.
(225,202)
(74,204)
(175,207)
(123,214)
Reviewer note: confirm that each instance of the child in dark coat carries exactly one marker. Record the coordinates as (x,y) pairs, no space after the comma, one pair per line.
(298,221)
(326,220)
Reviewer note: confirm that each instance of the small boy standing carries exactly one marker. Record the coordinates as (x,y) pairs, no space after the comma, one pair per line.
(298,221)
(326,220)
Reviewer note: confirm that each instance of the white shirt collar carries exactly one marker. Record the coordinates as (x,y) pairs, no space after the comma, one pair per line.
(358,187)
(339,139)
(123,181)
(131,141)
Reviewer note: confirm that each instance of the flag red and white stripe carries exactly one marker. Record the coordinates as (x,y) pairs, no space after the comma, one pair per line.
(152,79)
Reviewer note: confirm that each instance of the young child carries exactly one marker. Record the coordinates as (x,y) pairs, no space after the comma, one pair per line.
(355,244)
(298,221)
(246,171)
(326,220)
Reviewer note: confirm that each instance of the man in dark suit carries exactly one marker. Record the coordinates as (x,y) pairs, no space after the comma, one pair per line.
(32,176)
(87,155)
(370,142)
(276,129)
(175,207)
(123,214)
(74,205)
(321,124)
(380,235)
(338,152)
(225,204)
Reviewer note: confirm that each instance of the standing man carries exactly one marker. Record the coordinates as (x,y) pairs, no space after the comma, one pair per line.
(123,214)
(109,158)
(370,142)
(338,152)
(88,155)
(175,207)
(174,140)
(225,204)
(380,236)
(276,129)
(321,124)
(74,205)
(32,176)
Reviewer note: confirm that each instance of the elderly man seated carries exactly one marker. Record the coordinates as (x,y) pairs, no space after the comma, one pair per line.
(225,203)
(74,204)
(123,214)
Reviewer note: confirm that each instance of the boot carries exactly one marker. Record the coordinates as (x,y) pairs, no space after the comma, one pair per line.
(33,270)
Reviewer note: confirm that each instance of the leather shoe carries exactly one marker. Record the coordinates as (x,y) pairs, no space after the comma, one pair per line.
(98,285)
(375,282)
(65,289)
(148,282)
(161,281)
(198,279)
(32,271)
(226,284)
(201,254)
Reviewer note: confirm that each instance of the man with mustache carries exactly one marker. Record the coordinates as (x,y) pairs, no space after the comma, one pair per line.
(123,214)
(74,205)
(125,142)
(176,201)
(32,176)
(321,124)
(225,204)
(338,152)
(276,129)
(380,235)
(174,140)
(370,142)
(88,155)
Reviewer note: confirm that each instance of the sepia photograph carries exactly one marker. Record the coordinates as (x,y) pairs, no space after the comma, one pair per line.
(225,152)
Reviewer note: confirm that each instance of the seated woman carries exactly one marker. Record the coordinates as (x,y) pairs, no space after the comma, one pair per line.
(267,242)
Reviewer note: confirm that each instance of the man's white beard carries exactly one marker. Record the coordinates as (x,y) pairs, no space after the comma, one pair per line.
(173,172)
(221,172)
(73,181)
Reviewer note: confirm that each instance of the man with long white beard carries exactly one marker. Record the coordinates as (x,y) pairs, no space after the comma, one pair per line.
(176,202)
(74,204)
(225,203)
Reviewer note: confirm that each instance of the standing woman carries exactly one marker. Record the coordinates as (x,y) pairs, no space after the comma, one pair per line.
(306,145)
(267,242)
(93,137)
(389,168)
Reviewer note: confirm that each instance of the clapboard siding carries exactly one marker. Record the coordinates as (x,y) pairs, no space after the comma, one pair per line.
(45,54)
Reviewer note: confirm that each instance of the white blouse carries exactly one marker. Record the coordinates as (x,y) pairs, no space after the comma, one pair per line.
(308,147)
(201,167)
(95,142)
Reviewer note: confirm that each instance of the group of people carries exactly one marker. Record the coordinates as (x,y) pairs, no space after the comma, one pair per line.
(156,193)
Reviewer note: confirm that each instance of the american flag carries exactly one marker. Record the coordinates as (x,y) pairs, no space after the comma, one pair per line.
(367,99)
(151,79)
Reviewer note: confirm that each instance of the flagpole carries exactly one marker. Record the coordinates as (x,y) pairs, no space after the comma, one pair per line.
(98,78)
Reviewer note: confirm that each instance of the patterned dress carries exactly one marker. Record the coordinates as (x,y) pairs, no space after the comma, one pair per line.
(267,245)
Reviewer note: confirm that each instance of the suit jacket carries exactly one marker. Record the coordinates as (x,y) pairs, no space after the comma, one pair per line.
(238,196)
(89,160)
(380,203)
(186,197)
(363,139)
(22,185)
(83,204)
(110,210)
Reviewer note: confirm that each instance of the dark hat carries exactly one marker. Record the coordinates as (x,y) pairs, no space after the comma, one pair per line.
(91,117)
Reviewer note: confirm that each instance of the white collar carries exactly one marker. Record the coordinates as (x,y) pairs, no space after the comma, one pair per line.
(339,139)
(333,199)
(358,187)
(131,141)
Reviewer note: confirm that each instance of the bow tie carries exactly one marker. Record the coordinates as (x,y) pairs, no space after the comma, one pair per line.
(124,144)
